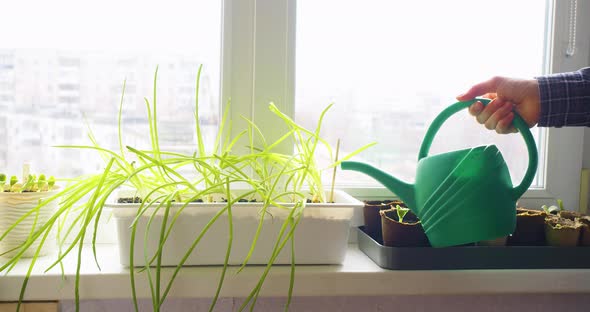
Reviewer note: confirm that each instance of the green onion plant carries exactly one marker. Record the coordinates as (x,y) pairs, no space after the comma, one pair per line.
(156,176)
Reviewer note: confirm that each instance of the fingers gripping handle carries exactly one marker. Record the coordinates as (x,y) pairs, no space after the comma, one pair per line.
(518,123)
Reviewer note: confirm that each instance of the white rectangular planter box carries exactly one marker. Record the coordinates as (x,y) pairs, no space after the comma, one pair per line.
(321,237)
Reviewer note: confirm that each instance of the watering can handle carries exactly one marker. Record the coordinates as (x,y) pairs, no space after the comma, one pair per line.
(519,124)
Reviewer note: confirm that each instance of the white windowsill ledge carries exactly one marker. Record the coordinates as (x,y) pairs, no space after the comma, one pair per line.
(358,276)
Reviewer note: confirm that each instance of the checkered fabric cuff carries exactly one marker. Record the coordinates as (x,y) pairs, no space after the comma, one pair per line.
(565,99)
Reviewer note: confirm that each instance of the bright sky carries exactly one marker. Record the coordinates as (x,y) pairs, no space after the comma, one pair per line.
(110,24)
(381,44)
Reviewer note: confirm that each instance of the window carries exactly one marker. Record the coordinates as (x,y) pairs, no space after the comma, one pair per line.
(390,65)
(71,63)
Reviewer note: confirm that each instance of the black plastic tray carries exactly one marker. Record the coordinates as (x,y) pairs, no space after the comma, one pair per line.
(473,257)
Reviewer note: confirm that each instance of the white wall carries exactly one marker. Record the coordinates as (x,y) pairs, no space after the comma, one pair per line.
(452,303)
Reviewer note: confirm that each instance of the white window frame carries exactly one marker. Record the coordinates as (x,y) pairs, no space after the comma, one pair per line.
(565,146)
(258,66)
(258,63)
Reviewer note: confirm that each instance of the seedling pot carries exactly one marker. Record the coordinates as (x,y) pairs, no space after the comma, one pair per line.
(14,206)
(530,228)
(372,217)
(585,235)
(585,232)
(408,233)
(560,233)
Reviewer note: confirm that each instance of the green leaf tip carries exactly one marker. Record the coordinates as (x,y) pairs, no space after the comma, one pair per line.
(401,212)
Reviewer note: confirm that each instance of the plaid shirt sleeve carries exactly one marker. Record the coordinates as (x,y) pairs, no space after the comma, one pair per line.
(565,99)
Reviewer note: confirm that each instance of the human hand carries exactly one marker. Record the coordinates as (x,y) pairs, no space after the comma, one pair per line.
(507,94)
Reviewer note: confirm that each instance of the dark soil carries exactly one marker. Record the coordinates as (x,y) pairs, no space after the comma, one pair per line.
(407,234)
(242,200)
(129,200)
(372,219)
(389,202)
(138,200)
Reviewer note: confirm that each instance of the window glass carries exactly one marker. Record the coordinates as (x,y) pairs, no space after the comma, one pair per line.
(390,67)
(63,65)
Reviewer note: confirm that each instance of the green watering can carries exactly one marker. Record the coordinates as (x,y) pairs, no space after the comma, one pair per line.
(461,196)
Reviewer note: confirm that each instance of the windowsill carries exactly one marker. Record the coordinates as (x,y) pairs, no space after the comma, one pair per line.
(358,276)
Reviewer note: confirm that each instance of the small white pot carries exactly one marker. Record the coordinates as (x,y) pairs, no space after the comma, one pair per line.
(14,206)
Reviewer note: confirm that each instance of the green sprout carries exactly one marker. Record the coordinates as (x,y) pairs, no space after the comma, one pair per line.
(32,184)
(42,183)
(50,183)
(553,209)
(14,185)
(2,181)
(13,180)
(28,186)
(401,212)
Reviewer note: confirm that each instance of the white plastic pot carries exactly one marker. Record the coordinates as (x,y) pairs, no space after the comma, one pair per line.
(14,206)
(321,237)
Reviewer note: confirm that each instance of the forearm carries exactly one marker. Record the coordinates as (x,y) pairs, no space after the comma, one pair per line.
(565,99)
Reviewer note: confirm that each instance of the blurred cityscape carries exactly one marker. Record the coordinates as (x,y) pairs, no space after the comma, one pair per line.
(397,122)
(51,97)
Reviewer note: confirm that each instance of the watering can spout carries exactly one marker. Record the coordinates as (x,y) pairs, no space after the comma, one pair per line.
(404,190)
